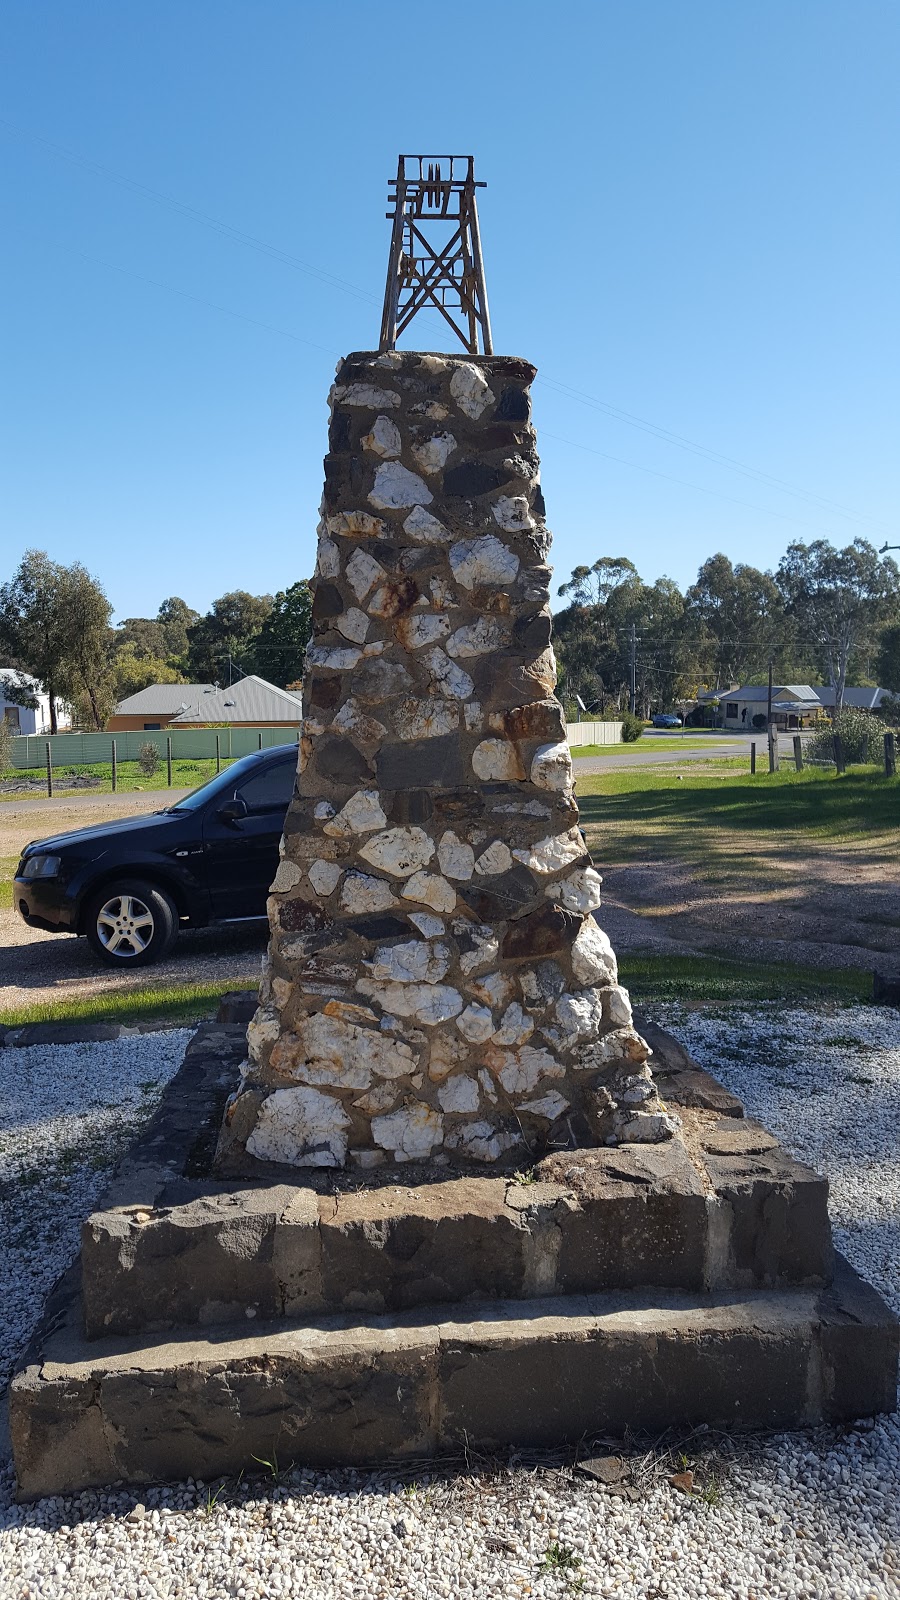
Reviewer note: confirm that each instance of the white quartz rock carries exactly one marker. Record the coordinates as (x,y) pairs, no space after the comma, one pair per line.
(475,1023)
(324,876)
(478,638)
(459,1094)
(494,990)
(397,487)
(522,1070)
(551,768)
(455,857)
(363,572)
(471,391)
(366,395)
(515,1026)
(340,658)
(428,1003)
(433,454)
(383,439)
(430,890)
(513,513)
(361,894)
(496,858)
(353,624)
(429,927)
(425,719)
(580,1015)
(497,760)
(399,851)
(265,1028)
(351,719)
(412,962)
(300,1128)
(411,1132)
(342,1046)
(474,716)
(623,1045)
(548,1107)
(421,525)
(484,943)
(482,562)
(481,1141)
(361,814)
(324,809)
(593,960)
(579,892)
(328,559)
(618,1006)
(378,1100)
(450,679)
(421,628)
(355,525)
(287,877)
(552,853)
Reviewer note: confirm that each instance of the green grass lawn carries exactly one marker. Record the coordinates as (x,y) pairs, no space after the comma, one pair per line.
(815,801)
(713,979)
(129,776)
(168,1002)
(651,742)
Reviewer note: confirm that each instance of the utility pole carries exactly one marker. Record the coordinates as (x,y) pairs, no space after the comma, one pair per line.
(633,668)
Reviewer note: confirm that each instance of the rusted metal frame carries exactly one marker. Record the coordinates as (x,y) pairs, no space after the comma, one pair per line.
(480,285)
(465,297)
(392,287)
(424,292)
(429,297)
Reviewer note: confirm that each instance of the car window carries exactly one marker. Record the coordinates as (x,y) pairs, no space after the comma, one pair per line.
(269,790)
(225,784)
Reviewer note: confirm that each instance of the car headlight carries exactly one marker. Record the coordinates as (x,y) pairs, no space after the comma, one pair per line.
(41,867)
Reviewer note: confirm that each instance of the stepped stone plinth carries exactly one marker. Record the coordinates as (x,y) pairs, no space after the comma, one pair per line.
(438,986)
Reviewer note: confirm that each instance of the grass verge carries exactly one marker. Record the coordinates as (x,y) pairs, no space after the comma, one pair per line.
(674,741)
(171,1002)
(715,978)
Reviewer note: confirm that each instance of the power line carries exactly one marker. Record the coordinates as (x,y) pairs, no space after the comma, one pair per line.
(274,252)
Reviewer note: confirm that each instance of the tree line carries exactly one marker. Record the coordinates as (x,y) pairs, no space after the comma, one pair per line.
(55,627)
(824,615)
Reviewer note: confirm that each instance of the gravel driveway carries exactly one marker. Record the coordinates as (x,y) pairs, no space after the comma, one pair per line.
(810,1515)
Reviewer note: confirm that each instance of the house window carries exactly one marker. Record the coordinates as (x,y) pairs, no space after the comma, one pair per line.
(11,715)
(731,709)
(152,727)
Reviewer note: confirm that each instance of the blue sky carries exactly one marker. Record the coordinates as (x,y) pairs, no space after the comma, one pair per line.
(691,218)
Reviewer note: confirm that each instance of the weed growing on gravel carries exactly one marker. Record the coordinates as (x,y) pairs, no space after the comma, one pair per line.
(560,1558)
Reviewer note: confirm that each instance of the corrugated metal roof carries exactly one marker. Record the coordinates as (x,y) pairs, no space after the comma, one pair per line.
(164,697)
(821,694)
(251,700)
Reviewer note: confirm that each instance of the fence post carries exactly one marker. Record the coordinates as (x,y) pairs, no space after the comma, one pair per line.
(773,748)
(260,742)
(49,772)
(839,758)
(890,755)
(798,752)
(169,760)
(218,755)
(115,768)
(752,757)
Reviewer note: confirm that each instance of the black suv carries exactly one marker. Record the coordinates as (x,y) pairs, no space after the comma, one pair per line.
(127,885)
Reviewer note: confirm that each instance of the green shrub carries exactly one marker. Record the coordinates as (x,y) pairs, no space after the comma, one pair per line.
(862,736)
(632,727)
(148,759)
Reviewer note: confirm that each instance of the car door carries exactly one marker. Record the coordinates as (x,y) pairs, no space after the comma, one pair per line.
(241,853)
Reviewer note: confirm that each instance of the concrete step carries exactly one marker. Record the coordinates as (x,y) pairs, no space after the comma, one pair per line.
(365,1390)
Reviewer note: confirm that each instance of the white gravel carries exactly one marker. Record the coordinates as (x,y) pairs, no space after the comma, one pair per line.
(797,1515)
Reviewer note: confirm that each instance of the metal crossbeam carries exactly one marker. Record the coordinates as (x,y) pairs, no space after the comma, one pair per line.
(424,271)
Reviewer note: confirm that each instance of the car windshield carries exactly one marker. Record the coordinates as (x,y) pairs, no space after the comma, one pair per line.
(222,781)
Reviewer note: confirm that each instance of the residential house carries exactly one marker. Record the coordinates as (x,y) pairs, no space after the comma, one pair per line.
(251,703)
(794,705)
(28,719)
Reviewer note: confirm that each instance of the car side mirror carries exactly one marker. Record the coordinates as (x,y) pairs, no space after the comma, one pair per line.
(233,810)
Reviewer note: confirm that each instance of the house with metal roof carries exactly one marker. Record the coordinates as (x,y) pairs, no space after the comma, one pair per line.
(794,705)
(251,703)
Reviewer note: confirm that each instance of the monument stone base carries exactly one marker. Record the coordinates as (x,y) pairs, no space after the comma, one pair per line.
(210,1322)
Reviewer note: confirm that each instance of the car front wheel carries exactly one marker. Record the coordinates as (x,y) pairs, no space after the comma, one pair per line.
(130,924)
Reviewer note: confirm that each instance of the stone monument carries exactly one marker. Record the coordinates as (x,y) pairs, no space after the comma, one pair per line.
(340,1267)
(438,986)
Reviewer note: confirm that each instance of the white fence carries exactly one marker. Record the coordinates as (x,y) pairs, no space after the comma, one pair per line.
(594,733)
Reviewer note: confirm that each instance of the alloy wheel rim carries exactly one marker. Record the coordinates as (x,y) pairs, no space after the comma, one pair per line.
(125,926)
